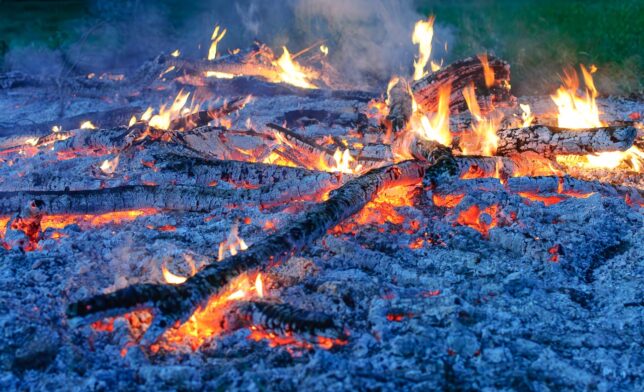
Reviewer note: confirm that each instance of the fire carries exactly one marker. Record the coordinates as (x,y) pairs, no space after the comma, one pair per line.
(422,36)
(163,118)
(219,75)
(488,73)
(481,221)
(449,200)
(176,279)
(86,125)
(482,140)
(259,286)
(109,165)
(580,111)
(343,162)
(577,111)
(215,38)
(233,243)
(206,322)
(436,128)
(324,49)
(176,53)
(526,115)
(287,339)
(292,73)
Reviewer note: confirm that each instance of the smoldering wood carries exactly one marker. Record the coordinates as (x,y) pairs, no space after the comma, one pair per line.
(399,103)
(571,186)
(307,149)
(284,319)
(174,304)
(127,197)
(203,117)
(101,119)
(550,141)
(459,75)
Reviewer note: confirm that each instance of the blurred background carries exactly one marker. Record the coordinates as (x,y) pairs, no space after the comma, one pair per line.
(368,38)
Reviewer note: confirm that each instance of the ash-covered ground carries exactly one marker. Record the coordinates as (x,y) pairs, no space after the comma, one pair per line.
(430,303)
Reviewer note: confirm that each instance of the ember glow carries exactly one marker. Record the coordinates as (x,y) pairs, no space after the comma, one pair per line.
(88,220)
(171,278)
(479,220)
(86,125)
(422,36)
(109,165)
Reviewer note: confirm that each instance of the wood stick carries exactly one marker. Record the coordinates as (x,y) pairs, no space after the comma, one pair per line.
(175,304)
(551,141)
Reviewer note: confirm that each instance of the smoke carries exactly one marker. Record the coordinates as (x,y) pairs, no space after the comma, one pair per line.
(369,40)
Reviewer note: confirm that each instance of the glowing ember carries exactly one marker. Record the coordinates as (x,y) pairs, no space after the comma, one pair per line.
(577,111)
(422,36)
(233,243)
(292,73)
(449,201)
(109,165)
(287,339)
(481,221)
(61,221)
(482,140)
(215,38)
(206,322)
(324,49)
(219,75)
(86,125)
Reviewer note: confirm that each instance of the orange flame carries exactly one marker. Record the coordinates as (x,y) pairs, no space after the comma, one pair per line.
(171,278)
(482,140)
(215,38)
(488,73)
(436,128)
(576,111)
(292,73)
(109,165)
(163,118)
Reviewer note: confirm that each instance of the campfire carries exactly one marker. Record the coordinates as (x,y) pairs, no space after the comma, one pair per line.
(254,200)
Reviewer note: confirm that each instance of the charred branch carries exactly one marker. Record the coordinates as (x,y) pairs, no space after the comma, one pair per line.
(399,103)
(550,141)
(174,304)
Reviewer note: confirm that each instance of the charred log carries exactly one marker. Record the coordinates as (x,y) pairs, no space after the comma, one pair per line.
(173,304)
(460,74)
(284,319)
(399,103)
(550,141)
(203,117)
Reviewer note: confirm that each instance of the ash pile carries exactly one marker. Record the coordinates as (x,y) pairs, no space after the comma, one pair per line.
(262,225)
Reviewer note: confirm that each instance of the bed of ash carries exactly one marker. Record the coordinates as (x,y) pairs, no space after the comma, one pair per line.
(430,303)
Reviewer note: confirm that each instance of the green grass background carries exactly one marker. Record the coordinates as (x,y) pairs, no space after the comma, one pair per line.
(539,38)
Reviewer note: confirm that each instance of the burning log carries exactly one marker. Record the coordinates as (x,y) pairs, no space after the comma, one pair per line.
(173,304)
(203,117)
(460,74)
(400,104)
(306,148)
(573,187)
(267,318)
(550,141)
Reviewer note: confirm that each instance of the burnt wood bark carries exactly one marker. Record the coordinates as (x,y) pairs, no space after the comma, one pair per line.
(460,74)
(400,105)
(550,141)
(203,117)
(174,304)
(284,319)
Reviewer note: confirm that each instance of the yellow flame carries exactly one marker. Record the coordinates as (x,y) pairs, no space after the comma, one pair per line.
(171,278)
(292,73)
(109,165)
(526,115)
(86,125)
(233,243)
(324,49)
(57,128)
(577,111)
(176,53)
(132,121)
(435,128)
(163,118)
(482,140)
(259,286)
(422,36)
(215,38)
(32,141)
(219,75)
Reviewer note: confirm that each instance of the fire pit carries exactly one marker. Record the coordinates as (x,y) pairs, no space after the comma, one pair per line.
(250,219)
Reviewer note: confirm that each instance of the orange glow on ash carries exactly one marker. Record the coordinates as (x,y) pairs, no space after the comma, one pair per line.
(118,217)
(475,218)
(449,201)
(288,339)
